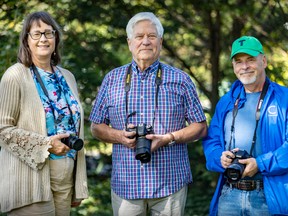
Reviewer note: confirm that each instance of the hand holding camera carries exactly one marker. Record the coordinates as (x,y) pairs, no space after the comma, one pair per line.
(57,147)
(70,142)
(143,145)
(235,170)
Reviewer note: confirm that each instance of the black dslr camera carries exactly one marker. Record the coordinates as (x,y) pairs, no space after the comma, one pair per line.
(73,142)
(143,145)
(235,170)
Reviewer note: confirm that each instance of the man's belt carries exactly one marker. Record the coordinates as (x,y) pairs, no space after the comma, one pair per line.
(247,185)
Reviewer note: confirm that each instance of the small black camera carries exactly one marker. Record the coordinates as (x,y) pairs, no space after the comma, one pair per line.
(73,142)
(143,145)
(235,170)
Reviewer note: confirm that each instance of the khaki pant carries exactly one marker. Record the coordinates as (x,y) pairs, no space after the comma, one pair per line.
(172,205)
(61,177)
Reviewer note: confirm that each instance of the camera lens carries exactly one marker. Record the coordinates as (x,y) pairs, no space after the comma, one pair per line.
(235,171)
(143,150)
(233,175)
(73,142)
(76,143)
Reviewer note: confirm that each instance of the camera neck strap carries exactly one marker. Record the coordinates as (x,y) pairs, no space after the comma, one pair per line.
(52,104)
(158,81)
(257,114)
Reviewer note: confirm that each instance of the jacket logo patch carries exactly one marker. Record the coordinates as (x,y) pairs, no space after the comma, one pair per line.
(272,110)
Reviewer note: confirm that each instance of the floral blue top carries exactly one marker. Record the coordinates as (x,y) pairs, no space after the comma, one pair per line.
(61,108)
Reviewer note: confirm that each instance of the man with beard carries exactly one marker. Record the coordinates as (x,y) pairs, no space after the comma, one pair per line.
(250,124)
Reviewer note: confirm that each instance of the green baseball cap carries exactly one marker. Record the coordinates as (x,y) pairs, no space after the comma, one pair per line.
(247,44)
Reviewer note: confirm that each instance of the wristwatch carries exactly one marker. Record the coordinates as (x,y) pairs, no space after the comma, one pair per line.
(172,141)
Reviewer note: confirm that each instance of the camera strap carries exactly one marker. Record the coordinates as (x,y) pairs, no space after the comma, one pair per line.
(52,104)
(158,81)
(258,108)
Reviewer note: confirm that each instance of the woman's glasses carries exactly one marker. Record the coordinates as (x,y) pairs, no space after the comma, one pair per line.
(37,34)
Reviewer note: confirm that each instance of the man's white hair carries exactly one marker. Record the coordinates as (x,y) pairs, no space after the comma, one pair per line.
(144,16)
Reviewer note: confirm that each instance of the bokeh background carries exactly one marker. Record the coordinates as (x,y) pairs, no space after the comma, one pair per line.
(197,38)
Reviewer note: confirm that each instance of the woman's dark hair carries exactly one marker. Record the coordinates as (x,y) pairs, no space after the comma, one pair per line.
(24,53)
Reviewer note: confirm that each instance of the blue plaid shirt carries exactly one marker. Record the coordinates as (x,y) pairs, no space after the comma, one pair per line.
(178,103)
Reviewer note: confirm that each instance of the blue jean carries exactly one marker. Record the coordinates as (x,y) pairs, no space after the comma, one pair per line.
(234,202)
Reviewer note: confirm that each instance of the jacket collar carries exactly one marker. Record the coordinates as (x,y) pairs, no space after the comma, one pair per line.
(238,91)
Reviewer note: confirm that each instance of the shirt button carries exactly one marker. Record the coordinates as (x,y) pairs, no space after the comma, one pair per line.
(141,114)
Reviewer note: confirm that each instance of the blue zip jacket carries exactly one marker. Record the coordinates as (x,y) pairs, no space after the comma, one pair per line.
(273,163)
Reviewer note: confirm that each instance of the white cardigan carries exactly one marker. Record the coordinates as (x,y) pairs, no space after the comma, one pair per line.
(24,163)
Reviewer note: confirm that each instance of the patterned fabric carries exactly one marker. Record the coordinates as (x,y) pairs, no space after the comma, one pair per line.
(169,169)
(35,155)
(24,169)
(61,102)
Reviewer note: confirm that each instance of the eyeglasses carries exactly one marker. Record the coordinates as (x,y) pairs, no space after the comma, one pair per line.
(37,34)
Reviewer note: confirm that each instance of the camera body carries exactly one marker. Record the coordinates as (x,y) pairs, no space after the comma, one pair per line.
(73,142)
(143,145)
(235,170)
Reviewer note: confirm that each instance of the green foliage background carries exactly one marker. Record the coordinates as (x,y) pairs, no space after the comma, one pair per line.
(197,39)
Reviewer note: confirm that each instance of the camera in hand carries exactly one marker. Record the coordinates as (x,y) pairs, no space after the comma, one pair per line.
(143,145)
(73,142)
(235,170)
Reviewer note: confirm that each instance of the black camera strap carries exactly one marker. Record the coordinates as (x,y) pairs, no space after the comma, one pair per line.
(258,108)
(158,81)
(60,116)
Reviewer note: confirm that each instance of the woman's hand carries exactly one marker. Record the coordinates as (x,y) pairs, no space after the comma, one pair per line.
(59,148)
(75,204)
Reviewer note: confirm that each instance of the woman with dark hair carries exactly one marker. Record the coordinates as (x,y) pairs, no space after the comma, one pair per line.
(43,169)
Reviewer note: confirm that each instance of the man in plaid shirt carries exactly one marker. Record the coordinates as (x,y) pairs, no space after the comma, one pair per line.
(150,92)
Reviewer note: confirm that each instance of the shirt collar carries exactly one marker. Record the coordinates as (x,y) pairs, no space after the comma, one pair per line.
(151,69)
